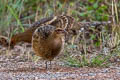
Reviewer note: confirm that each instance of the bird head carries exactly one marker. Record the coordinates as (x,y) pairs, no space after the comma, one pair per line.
(60,32)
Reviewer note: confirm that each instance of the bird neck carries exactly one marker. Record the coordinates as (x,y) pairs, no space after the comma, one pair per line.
(56,40)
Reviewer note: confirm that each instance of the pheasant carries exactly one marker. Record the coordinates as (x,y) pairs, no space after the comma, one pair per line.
(62,21)
(47,42)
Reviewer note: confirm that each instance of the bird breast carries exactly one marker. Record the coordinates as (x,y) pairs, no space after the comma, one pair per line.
(48,49)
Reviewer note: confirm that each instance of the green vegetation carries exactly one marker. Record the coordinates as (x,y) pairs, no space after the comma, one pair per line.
(97,61)
(16,15)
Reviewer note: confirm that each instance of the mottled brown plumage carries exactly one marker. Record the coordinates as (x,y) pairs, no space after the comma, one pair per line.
(64,22)
(47,42)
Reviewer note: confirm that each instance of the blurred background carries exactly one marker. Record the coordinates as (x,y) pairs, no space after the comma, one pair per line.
(17,15)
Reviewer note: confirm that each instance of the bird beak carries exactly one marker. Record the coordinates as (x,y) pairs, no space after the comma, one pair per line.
(65,31)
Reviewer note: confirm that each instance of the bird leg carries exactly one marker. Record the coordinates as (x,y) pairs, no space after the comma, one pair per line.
(46,64)
(50,64)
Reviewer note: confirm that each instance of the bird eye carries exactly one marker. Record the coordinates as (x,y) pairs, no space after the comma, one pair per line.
(60,31)
(38,30)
